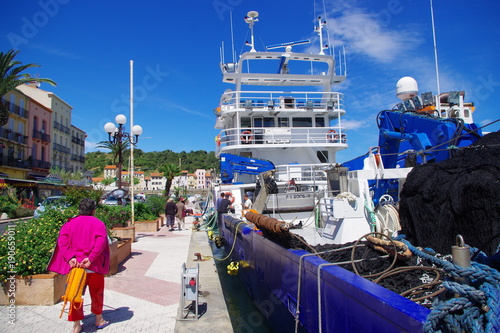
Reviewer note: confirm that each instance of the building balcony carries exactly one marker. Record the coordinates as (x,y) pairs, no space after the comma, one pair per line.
(40,135)
(77,158)
(13,136)
(78,141)
(38,164)
(16,109)
(15,162)
(61,127)
(60,148)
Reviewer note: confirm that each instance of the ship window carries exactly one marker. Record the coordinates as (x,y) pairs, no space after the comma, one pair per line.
(302,122)
(322,156)
(246,122)
(283,122)
(263,122)
(320,122)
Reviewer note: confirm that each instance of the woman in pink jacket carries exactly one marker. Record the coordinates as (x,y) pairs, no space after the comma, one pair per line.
(83,242)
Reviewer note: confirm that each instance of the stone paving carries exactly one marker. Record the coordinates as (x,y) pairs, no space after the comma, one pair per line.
(145,294)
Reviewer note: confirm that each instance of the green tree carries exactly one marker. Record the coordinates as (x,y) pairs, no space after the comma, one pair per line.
(76,193)
(66,175)
(11,76)
(169,171)
(107,181)
(117,149)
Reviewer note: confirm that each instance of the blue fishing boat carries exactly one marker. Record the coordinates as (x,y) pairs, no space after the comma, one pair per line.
(321,237)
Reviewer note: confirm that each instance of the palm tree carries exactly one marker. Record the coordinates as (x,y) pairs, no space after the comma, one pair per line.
(117,148)
(169,170)
(11,76)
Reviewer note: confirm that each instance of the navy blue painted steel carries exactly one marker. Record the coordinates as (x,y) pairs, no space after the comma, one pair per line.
(349,303)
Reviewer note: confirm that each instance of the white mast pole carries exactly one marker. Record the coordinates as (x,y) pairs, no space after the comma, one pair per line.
(435,50)
(131,138)
(232,37)
(320,32)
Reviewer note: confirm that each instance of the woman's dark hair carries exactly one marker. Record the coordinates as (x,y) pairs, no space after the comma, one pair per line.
(87,206)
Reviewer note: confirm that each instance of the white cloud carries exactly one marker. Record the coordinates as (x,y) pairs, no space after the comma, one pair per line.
(353,125)
(367,33)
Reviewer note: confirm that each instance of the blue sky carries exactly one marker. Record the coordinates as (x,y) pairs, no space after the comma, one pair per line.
(86,46)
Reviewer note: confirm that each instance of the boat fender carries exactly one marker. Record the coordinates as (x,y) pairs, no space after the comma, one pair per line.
(233,267)
(218,242)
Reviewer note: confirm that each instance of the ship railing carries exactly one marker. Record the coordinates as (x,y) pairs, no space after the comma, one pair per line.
(295,173)
(281,136)
(273,101)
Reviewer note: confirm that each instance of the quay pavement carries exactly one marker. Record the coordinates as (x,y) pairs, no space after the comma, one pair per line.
(145,294)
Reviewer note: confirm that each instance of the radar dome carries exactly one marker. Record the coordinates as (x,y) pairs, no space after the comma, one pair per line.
(406,88)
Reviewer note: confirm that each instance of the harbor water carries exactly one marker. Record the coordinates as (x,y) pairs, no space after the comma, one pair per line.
(245,317)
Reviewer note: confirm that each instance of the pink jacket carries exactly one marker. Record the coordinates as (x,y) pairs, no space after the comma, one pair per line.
(81,237)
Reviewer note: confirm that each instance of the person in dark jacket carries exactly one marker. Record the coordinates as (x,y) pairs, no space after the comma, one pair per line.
(224,206)
(217,203)
(170,211)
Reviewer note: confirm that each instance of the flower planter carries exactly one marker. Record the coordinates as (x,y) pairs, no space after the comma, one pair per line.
(124,232)
(160,222)
(40,289)
(118,252)
(150,226)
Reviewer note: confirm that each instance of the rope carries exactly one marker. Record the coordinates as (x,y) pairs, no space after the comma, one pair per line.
(475,307)
(373,218)
(234,243)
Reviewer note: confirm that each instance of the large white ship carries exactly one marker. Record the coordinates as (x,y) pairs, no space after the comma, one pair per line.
(282,110)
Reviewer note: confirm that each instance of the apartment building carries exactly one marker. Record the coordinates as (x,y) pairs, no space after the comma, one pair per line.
(14,148)
(67,142)
(77,149)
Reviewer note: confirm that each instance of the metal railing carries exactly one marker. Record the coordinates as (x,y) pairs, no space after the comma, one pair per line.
(61,148)
(282,136)
(61,127)
(300,173)
(8,134)
(16,109)
(271,100)
(41,164)
(15,162)
(78,141)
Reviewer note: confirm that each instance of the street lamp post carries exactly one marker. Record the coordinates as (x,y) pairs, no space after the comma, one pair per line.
(117,136)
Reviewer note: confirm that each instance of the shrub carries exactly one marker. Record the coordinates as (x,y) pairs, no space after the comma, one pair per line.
(157,204)
(8,203)
(114,215)
(143,212)
(75,194)
(29,245)
(23,212)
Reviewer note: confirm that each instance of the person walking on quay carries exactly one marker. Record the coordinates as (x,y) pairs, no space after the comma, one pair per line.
(181,213)
(83,243)
(247,203)
(170,211)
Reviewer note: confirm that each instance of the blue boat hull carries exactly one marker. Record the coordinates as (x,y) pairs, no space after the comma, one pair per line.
(348,303)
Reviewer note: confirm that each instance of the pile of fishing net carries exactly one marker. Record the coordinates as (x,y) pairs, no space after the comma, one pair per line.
(459,196)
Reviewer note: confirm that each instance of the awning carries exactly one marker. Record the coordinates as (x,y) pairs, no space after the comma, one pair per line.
(37,176)
(24,183)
